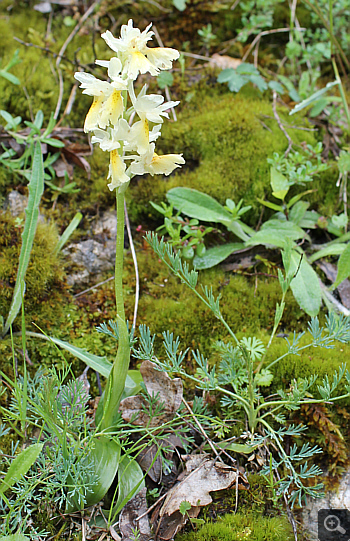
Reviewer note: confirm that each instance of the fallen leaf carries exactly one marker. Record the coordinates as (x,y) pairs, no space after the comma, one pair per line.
(170,391)
(343,289)
(224,61)
(202,476)
(128,522)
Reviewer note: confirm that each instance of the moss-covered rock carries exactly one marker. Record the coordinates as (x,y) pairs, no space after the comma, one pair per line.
(242,526)
(225,139)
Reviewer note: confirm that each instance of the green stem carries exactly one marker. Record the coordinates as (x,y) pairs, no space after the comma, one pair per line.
(119,256)
(116,379)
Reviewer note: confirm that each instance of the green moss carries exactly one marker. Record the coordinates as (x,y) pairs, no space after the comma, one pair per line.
(225,140)
(239,527)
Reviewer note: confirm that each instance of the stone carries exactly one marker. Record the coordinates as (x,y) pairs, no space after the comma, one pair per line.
(339,499)
(16,203)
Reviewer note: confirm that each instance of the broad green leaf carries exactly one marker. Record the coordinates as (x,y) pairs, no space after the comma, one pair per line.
(313,98)
(305,286)
(132,383)
(20,466)
(10,77)
(310,219)
(298,211)
(165,78)
(214,256)
(344,162)
(131,480)
(247,69)
(264,378)
(270,205)
(237,447)
(233,78)
(274,85)
(180,4)
(237,228)
(275,233)
(259,82)
(318,107)
(35,191)
(68,231)
(106,460)
(333,249)
(267,238)
(279,184)
(14,537)
(198,205)
(343,267)
(100,364)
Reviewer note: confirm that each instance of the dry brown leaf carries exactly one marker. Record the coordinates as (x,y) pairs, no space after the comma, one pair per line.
(128,522)
(203,475)
(169,391)
(224,61)
(343,289)
(147,461)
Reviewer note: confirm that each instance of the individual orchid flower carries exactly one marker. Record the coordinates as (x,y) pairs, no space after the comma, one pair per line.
(151,163)
(133,52)
(107,106)
(151,106)
(116,171)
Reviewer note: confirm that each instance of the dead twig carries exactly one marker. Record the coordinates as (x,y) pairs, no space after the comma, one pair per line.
(75,31)
(257,39)
(201,429)
(280,125)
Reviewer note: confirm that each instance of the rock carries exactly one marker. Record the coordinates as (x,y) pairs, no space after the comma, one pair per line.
(339,499)
(16,203)
(95,255)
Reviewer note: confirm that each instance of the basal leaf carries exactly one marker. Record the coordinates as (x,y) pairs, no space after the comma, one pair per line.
(343,267)
(106,459)
(20,466)
(130,481)
(214,256)
(100,364)
(35,191)
(313,98)
(198,205)
(333,249)
(279,184)
(305,286)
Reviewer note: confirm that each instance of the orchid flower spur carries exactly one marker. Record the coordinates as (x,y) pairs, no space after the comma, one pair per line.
(127,127)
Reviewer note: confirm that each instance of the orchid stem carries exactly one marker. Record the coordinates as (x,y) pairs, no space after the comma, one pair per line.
(119,256)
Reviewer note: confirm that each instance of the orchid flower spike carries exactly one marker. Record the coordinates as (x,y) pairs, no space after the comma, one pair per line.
(111,119)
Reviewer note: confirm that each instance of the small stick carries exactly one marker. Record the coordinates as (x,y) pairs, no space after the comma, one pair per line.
(201,429)
(93,287)
(137,278)
(259,36)
(60,94)
(75,31)
(152,507)
(280,125)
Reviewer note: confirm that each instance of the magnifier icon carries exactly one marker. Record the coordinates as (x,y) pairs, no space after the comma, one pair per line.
(332,524)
